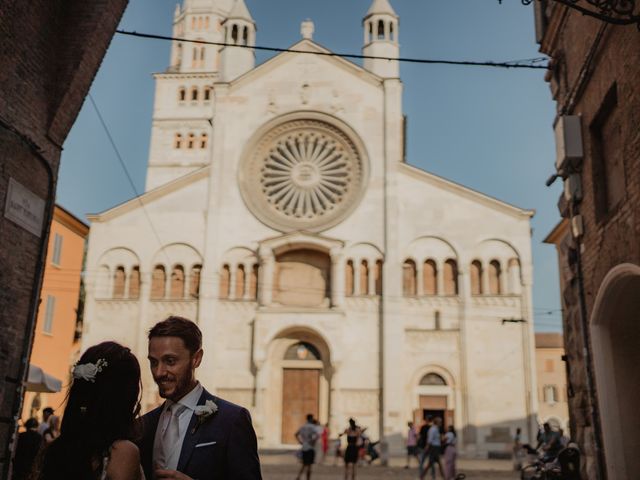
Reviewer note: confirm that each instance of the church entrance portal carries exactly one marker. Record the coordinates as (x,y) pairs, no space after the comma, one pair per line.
(300,396)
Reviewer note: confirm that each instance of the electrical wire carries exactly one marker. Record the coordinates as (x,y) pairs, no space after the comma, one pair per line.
(528,63)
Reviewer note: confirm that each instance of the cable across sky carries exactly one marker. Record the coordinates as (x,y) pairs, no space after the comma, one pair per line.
(532,63)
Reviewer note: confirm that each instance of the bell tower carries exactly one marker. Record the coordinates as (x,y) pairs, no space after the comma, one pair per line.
(240,30)
(381,39)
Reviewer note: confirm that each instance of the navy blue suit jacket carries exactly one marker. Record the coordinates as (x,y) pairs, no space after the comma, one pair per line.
(224,447)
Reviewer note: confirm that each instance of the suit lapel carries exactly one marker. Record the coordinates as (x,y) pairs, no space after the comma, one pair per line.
(191,438)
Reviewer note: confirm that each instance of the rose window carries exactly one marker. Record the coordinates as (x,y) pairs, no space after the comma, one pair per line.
(303,174)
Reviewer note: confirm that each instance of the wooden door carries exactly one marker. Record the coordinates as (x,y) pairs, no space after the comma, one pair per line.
(300,396)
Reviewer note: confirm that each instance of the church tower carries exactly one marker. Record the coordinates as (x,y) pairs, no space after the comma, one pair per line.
(239,29)
(381,39)
(181,132)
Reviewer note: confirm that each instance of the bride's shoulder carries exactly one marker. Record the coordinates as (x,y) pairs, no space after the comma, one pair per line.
(124,461)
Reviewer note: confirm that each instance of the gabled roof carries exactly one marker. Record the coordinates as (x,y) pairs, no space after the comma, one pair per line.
(308,45)
(381,7)
(150,196)
(464,191)
(240,10)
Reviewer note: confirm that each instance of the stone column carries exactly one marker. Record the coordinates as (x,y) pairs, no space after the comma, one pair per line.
(372,276)
(233,269)
(504,272)
(167,282)
(356,277)
(265,276)
(337,278)
(419,279)
(248,272)
(484,277)
(440,277)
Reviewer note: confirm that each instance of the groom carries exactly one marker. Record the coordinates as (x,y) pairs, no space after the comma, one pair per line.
(193,435)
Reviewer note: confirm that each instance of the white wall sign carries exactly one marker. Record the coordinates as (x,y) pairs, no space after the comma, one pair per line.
(24,208)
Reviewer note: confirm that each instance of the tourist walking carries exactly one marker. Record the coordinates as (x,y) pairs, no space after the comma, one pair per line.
(307,436)
(354,440)
(434,447)
(412,443)
(450,453)
(27,447)
(46,415)
(422,441)
(324,438)
(99,419)
(51,433)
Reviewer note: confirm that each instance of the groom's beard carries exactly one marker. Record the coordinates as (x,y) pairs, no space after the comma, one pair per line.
(174,387)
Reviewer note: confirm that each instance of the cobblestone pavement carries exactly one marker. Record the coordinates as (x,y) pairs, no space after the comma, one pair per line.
(289,472)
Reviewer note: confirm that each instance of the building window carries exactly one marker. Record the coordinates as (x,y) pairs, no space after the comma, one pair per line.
(378,279)
(234,34)
(430,276)
(436,323)
(253,283)
(348,284)
(240,281)
(204,140)
(134,283)
(380,30)
(450,277)
(194,284)
(433,379)
(225,279)
(245,36)
(177,141)
(609,179)
(182,94)
(57,249)
(191,140)
(476,277)
(194,94)
(207,94)
(550,394)
(177,282)
(370,36)
(391,32)
(206,23)
(409,278)
(494,278)
(48,314)
(364,277)
(119,283)
(548,365)
(158,282)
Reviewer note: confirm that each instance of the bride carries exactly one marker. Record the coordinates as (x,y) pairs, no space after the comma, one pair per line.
(97,433)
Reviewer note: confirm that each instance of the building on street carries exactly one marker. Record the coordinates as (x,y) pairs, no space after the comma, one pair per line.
(552,380)
(594,81)
(329,276)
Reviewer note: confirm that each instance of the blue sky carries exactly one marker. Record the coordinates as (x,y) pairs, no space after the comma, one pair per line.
(489,129)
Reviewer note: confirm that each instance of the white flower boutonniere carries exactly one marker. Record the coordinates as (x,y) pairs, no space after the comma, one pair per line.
(203,413)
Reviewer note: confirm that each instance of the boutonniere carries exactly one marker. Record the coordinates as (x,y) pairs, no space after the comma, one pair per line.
(203,413)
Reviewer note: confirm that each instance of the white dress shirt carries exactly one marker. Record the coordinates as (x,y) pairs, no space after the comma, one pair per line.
(190,401)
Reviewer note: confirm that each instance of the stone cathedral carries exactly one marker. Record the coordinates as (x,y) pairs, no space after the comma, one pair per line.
(328,275)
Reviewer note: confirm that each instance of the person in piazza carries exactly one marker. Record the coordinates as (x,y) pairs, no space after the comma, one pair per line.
(193,435)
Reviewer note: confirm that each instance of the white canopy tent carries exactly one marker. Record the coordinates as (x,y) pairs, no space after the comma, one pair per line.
(40,381)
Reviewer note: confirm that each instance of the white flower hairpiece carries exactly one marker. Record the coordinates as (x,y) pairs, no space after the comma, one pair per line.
(88,371)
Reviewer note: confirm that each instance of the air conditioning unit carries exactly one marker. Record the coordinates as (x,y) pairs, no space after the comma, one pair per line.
(568,141)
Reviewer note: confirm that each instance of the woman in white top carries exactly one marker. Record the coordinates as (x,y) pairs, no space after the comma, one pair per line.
(450,454)
(95,441)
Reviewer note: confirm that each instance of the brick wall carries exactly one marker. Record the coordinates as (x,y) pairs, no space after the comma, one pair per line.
(51,50)
(589,58)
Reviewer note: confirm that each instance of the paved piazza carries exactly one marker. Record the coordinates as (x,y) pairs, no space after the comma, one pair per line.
(282,468)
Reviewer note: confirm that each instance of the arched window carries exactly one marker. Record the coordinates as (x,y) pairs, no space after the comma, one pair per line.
(450,277)
(182,94)
(370,32)
(134,283)
(225,281)
(514,276)
(245,36)
(433,379)
(391,32)
(191,141)
(202,56)
(199,23)
(409,278)
(494,278)
(206,23)
(194,94)
(158,282)
(177,282)
(178,54)
(204,140)
(550,394)
(302,351)
(193,23)
(430,275)
(380,30)
(364,277)
(194,59)
(240,281)
(207,94)
(118,283)
(348,283)
(378,275)
(234,34)
(194,281)
(476,278)
(177,141)
(253,283)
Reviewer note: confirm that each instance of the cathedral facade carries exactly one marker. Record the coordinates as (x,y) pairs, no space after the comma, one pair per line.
(328,275)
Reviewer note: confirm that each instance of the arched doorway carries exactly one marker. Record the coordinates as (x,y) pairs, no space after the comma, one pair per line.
(434,398)
(615,330)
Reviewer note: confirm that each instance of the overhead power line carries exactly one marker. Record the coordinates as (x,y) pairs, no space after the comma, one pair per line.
(532,63)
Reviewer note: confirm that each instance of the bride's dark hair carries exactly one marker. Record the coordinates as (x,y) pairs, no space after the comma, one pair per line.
(98,413)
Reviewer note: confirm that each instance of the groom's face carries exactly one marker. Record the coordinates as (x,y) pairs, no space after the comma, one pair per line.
(173,366)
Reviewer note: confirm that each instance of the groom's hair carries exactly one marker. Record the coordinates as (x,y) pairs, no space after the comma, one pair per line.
(180,327)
